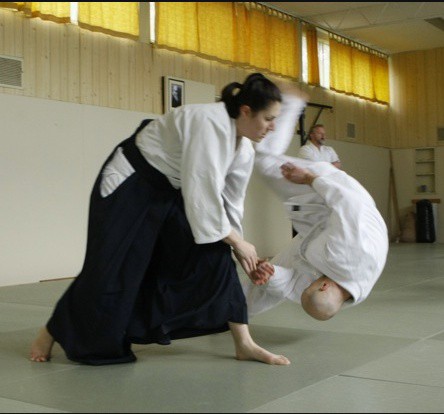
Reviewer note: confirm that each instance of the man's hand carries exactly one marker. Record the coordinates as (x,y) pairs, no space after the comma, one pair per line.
(263,272)
(296,174)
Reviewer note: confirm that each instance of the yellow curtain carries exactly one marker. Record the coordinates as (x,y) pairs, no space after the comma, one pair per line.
(216,29)
(357,71)
(284,46)
(362,84)
(176,26)
(58,12)
(340,67)
(114,18)
(246,34)
(380,75)
(312,55)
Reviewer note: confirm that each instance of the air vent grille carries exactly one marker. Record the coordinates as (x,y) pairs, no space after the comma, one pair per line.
(351,131)
(11,72)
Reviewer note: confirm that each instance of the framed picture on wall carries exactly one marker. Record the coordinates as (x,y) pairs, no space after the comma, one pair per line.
(173,93)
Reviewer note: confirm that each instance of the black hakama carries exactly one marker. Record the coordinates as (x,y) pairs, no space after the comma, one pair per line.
(144,279)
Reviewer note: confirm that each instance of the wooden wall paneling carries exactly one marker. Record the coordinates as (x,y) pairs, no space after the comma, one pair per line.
(96,73)
(343,115)
(17,41)
(29,56)
(73,47)
(214,75)
(7,34)
(370,128)
(221,72)
(64,63)
(167,69)
(411,106)
(360,133)
(134,92)
(43,64)
(190,67)
(397,98)
(206,75)
(11,42)
(102,50)
(55,61)
(86,67)
(156,80)
(124,74)
(178,60)
(147,78)
(137,77)
(381,125)
(113,72)
(421,102)
(226,75)
(196,69)
(430,92)
(18,35)
(231,75)
(3,18)
(439,107)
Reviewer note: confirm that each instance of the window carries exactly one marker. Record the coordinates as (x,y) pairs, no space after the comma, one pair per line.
(152,22)
(323,58)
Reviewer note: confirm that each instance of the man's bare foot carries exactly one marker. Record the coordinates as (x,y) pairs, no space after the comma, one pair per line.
(253,352)
(42,346)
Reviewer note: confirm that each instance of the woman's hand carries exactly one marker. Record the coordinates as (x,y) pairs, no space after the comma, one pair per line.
(245,252)
(246,255)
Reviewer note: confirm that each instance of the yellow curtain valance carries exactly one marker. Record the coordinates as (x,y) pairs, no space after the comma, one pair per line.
(358,71)
(114,18)
(242,33)
(58,12)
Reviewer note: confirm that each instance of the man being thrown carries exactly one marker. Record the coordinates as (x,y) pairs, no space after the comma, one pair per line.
(341,246)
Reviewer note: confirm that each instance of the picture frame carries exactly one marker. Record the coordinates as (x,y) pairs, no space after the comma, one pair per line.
(174,93)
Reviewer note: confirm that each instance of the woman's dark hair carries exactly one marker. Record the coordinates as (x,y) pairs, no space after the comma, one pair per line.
(257,92)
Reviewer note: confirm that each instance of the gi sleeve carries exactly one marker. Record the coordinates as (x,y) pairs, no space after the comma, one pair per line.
(236,185)
(277,142)
(207,152)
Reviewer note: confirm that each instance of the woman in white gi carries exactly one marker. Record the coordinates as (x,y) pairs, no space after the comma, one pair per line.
(165,216)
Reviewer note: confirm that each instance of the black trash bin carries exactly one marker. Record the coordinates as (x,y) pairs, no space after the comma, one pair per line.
(425,224)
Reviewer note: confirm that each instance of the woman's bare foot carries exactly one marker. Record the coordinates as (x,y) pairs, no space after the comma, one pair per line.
(248,350)
(253,352)
(42,346)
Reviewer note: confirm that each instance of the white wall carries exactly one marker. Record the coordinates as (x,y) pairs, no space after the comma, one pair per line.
(51,154)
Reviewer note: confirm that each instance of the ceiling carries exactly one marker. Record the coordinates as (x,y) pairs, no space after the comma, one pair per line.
(390,27)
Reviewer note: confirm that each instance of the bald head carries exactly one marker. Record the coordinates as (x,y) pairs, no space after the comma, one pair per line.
(323,298)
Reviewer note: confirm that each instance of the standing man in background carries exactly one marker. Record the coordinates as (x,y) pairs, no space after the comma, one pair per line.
(316,150)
